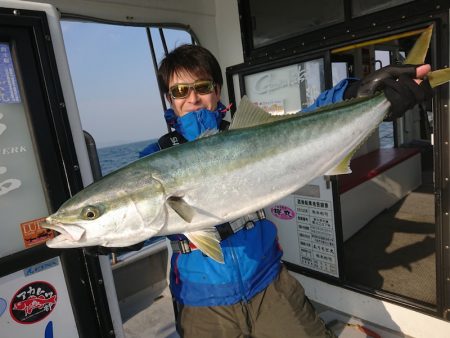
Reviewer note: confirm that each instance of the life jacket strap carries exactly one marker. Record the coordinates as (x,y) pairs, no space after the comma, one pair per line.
(224,231)
(171,139)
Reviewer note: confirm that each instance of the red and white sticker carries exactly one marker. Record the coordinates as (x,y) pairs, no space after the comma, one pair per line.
(33,302)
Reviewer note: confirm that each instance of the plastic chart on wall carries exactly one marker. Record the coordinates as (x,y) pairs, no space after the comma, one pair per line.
(286,90)
(22,197)
(306,227)
(34,303)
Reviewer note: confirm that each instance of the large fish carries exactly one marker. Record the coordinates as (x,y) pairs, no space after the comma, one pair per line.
(192,187)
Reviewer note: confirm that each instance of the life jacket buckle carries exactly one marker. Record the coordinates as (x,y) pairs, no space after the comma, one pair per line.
(182,246)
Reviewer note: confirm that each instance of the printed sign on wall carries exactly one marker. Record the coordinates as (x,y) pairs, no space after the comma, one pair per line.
(306,229)
(35,303)
(288,89)
(22,196)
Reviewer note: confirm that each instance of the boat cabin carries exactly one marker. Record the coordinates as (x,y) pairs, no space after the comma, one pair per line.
(79,98)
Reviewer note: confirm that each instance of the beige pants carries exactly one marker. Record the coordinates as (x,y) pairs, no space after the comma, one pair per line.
(280,311)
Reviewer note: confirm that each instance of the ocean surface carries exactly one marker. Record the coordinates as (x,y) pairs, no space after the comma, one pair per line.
(386,133)
(115,157)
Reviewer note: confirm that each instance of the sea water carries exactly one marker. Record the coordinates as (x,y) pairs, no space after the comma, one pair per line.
(115,157)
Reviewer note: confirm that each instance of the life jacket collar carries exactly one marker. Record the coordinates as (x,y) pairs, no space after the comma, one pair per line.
(193,124)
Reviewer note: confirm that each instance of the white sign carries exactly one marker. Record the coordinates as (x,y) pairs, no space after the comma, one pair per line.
(34,303)
(306,228)
(22,196)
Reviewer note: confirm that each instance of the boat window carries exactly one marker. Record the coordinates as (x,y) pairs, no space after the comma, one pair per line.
(363,7)
(293,18)
(115,85)
(304,26)
(339,71)
(22,197)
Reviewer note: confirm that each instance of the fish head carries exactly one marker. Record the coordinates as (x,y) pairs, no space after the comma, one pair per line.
(108,217)
(77,226)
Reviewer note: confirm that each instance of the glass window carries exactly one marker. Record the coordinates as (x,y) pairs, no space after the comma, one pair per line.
(22,197)
(116,87)
(292,18)
(339,71)
(363,7)
(173,37)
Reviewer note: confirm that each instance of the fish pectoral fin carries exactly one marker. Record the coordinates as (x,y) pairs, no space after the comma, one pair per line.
(343,167)
(208,243)
(181,207)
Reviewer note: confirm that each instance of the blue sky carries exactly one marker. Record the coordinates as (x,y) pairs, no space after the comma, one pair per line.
(114,80)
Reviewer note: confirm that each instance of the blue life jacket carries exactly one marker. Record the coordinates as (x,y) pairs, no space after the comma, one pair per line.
(252,255)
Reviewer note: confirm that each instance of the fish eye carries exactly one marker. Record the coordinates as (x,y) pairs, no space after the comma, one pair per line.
(90,213)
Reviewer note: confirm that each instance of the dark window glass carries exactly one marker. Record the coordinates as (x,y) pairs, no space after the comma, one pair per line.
(278,20)
(363,7)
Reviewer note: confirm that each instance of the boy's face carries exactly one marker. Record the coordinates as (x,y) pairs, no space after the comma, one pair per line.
(193,101)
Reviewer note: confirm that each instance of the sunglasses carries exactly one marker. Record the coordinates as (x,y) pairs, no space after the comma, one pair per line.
(182,90)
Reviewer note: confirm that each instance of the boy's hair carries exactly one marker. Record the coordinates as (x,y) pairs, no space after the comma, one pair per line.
(193,59)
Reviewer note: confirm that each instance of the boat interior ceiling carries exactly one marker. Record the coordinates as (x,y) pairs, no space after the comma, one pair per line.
(200,16)
(137,11)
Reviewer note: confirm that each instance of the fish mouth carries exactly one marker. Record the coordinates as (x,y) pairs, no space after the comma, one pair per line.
(69,234)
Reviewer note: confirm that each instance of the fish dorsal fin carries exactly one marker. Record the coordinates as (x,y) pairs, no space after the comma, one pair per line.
(181,207)
(250,115)
(208,243)
(417,54)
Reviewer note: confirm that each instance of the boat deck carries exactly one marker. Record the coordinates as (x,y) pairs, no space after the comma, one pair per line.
(395,252)
(157,320)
